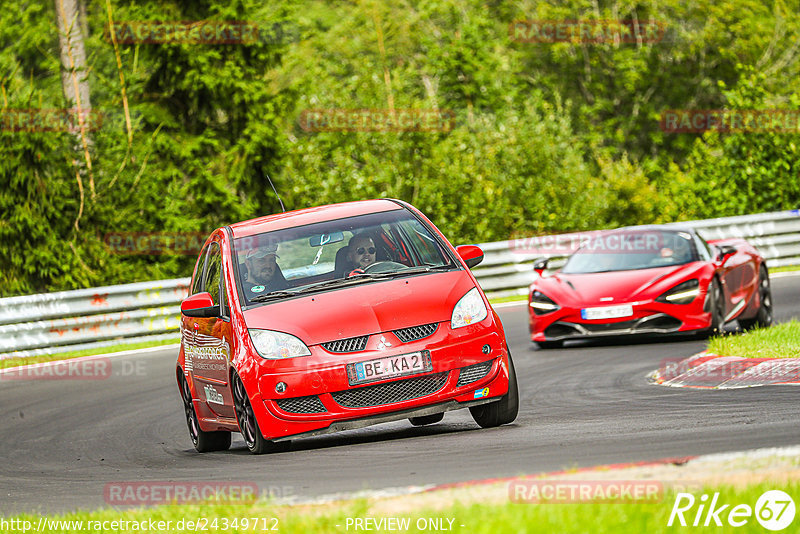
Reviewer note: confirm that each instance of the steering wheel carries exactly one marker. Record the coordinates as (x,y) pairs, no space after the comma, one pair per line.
(384,267)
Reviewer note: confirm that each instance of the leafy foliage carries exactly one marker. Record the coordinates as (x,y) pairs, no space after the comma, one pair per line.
(547,137)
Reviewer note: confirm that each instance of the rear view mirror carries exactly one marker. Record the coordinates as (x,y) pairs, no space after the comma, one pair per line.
(725,251)
(199,305)
(540,265)
(324,239)
(471,254)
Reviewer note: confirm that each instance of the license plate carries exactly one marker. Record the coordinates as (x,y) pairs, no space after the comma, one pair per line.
(607,312)
(389,367)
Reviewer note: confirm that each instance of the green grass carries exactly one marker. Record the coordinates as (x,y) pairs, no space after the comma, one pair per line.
(511,298)
(777,341)
(14,362)
(784,269)
(476,517)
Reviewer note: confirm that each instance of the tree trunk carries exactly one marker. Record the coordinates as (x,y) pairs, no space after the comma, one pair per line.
(75,83)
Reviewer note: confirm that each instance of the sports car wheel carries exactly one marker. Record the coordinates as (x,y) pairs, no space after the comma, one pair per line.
(427,419)
(717,310)
(764,315)
(203,441)
(503,411)
(247,421)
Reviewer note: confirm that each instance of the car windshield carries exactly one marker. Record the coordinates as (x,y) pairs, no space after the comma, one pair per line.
(342,252)
(632,250)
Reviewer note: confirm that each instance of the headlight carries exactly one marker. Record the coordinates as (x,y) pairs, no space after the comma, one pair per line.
(470,309)
(541,303)
(682,293)
(273,345)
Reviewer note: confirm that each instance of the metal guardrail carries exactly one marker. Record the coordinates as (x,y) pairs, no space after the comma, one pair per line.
(88,318)
(102,316)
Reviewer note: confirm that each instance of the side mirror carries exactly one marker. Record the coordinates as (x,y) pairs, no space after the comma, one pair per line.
(200,305)
(471,254)
(724,252)
(540,265)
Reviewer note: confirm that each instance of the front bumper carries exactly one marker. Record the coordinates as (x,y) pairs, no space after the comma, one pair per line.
(649,317)
(319,398)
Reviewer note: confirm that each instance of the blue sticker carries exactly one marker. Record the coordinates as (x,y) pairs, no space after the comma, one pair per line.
(360,372)
(480,393)
(257,289)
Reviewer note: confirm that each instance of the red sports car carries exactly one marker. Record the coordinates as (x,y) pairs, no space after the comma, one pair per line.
(649,280)
(333,318)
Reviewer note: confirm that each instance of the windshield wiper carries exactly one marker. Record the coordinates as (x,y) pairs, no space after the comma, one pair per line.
(417,270)
(273,295)
(336,282)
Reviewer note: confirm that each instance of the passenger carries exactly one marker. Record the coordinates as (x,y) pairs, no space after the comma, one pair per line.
(263,272)
(361,253)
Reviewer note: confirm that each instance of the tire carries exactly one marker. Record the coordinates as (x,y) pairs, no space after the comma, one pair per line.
(717,311)
(426,419)
(503,411)
(203,441)
(763,317)
(248,425)
(549,344)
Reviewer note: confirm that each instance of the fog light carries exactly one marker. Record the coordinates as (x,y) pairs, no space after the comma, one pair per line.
(486,349)
(280,387)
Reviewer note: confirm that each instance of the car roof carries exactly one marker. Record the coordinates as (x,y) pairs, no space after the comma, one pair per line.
(302,217)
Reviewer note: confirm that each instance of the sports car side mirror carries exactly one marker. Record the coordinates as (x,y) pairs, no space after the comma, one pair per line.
(471,254)
(724,252)
(540,265)
(200,305)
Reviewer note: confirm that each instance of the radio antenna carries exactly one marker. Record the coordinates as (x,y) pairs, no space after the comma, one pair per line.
(276,193)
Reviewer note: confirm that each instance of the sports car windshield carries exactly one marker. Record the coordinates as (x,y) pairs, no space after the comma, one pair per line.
(626,251)
(339,253)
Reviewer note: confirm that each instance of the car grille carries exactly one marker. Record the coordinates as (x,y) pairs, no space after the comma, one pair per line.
(398,391)
(473,373)
(310,404)
(352,344)
(415,332)
(656,323)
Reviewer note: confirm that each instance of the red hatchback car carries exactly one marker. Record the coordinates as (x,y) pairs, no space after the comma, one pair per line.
(333,318)
(649,280)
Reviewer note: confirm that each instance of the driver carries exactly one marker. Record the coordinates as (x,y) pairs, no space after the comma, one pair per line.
(361,253)
(263,273)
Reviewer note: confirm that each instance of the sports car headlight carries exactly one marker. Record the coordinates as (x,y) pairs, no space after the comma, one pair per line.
(273,345)
(470,309)
(683,293)
(541,303)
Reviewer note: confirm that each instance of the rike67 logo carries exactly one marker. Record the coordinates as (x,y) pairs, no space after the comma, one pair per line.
(774,510)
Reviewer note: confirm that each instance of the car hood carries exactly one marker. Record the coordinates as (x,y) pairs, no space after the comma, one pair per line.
(622,286)
(364,309)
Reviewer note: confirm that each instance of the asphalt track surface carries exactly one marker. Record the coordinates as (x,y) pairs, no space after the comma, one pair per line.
(586,404)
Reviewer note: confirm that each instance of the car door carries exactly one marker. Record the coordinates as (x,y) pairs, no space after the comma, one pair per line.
(736,274)
(189,324)
(211,354)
